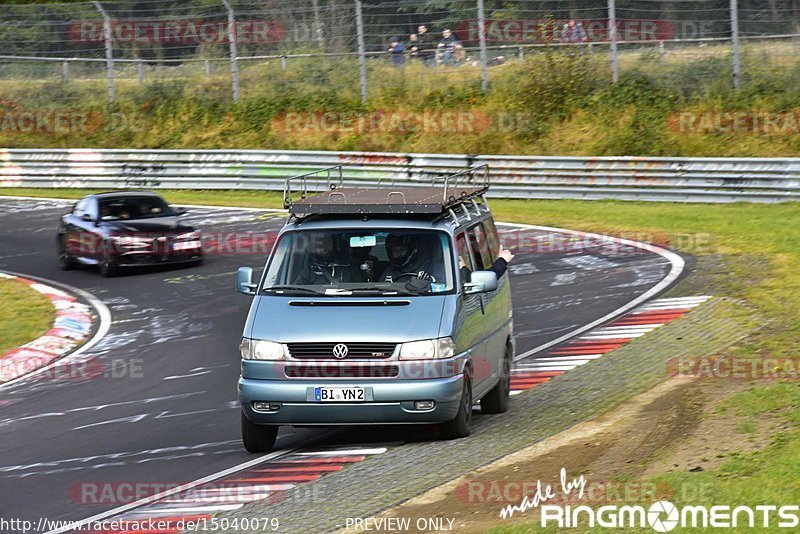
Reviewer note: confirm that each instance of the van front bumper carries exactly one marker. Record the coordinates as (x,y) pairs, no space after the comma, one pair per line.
(387,402)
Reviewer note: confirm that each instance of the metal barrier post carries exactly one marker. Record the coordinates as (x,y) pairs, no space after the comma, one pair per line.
(317,31)
(107,36)
(234,52)
(362,54)
(612,37)
(737,74)
(482,44)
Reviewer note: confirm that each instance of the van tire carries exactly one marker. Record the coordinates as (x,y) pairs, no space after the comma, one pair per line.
(258,438)
(497,400)
(460,426)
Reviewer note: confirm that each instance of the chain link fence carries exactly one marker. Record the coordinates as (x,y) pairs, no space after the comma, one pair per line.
(363,49)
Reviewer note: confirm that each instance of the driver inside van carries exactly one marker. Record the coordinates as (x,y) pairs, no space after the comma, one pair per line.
(323,267)
(406,261)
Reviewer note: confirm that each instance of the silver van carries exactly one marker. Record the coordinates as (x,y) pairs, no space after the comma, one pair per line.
(378,306)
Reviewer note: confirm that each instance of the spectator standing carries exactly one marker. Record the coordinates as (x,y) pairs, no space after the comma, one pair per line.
(423,47)
(397,51)
(573,32)
(447,46)
(413,49)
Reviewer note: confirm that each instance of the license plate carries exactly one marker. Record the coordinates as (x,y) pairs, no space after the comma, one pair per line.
(339,394)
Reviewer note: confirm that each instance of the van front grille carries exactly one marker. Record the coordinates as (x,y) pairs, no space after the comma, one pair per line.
(342,371)
(325,351)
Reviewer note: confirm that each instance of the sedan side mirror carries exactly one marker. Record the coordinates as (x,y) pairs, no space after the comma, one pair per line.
(180,212)
(481,282)
(86,217)
(244,281)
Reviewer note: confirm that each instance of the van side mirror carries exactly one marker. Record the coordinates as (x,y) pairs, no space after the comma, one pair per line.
(180,212)
(481,282)
(86,217)
(244,281)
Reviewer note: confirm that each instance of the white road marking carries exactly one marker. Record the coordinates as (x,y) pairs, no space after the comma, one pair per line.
(191,375)
(560,359)
(344,452)
(173,491)
(677,266)
(558,367)
(590,337)
(129,419)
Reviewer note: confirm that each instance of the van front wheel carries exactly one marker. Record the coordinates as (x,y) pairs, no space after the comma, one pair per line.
(496,401)
(459,427)
(258,438)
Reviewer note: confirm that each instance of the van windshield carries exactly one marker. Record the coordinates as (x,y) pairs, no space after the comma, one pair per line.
(358,262)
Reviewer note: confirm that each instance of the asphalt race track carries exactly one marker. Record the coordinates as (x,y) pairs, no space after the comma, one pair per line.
(172,415)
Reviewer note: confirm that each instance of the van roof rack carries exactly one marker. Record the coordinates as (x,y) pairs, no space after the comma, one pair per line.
(437,197)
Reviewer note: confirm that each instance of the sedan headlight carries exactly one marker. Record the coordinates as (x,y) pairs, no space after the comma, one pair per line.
(427,349)
(131,240)
(194,234)
(257,349)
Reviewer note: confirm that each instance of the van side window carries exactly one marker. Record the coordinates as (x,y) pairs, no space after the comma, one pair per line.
(492,237)
(480,248)
(463,252)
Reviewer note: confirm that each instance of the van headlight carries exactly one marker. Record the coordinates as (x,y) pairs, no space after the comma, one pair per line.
(257,349)
(427,349)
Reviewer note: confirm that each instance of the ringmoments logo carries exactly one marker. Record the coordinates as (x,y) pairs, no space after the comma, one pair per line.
(660,516)
(664,516)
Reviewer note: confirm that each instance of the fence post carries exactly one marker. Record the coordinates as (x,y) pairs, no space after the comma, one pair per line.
(207,67)
(65,71)
(112,93)
(234,52)
(140,71)
(612,36)
(482,45)
(362,54)
(317,31)
(737,73)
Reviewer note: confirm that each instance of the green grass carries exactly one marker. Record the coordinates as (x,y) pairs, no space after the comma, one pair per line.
(26,314)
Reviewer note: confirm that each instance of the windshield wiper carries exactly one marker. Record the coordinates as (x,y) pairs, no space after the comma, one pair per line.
(291,288)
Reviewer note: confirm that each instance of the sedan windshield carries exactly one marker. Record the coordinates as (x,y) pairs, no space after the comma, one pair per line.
(133,208)
(357,262)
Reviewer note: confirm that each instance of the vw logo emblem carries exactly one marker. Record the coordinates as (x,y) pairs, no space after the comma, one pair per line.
(340,351)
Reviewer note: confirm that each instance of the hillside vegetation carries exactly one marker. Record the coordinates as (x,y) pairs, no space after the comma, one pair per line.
(553,103)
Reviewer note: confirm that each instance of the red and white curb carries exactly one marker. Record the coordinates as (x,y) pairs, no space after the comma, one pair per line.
(269,479)
(72,327)
(594,343)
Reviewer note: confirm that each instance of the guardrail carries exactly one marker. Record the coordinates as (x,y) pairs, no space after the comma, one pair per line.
(532,177)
